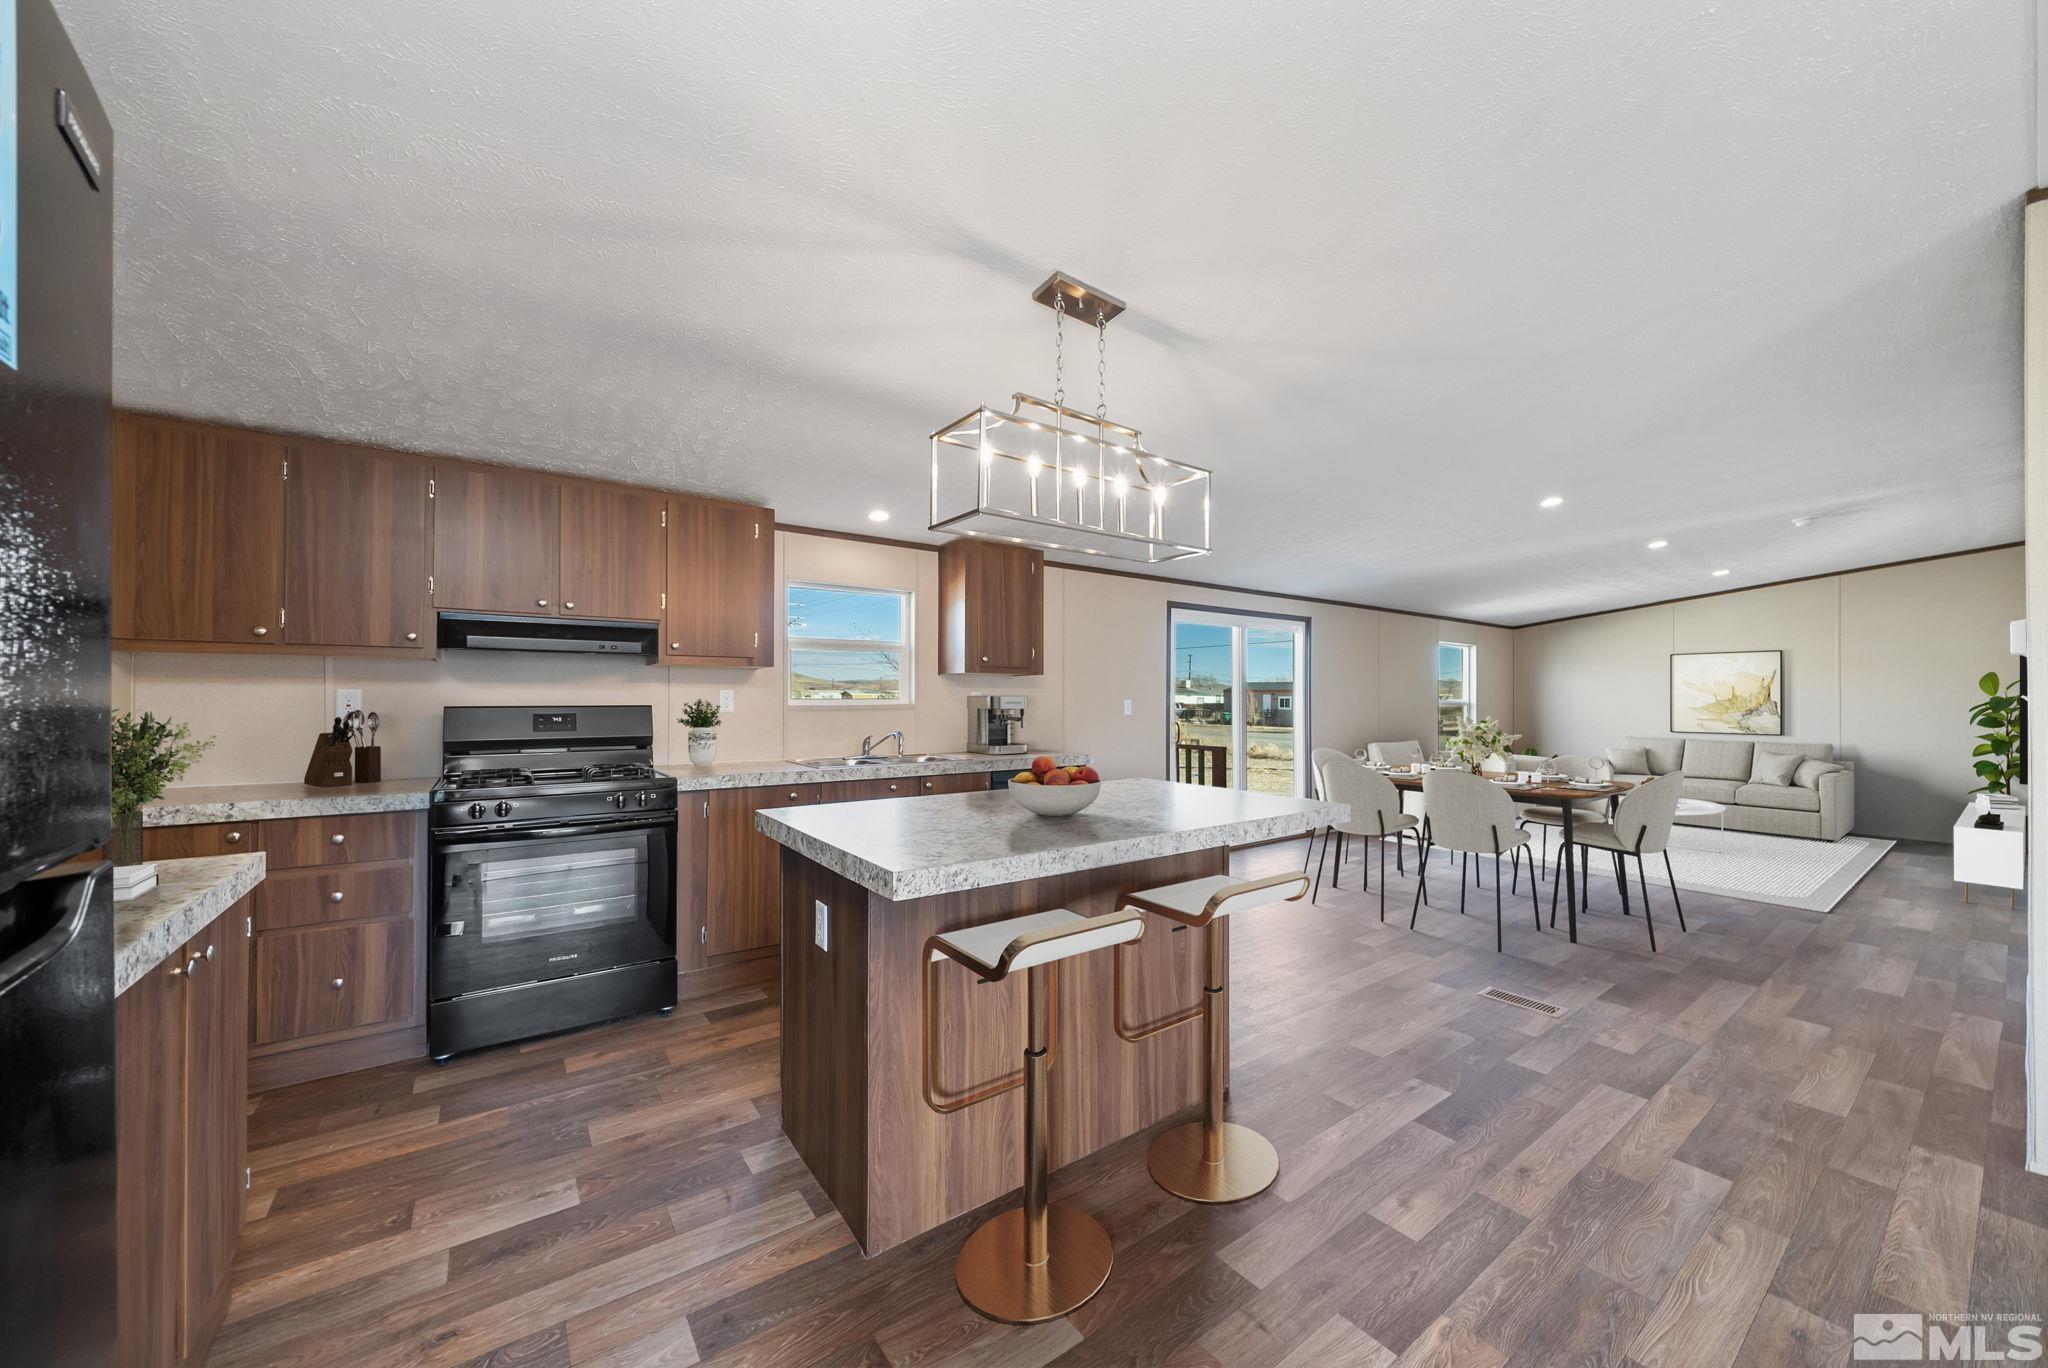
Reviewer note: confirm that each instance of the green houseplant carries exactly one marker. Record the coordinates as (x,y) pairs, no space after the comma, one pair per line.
(149,753)
(1997,718)
(701,717)
(1479,739)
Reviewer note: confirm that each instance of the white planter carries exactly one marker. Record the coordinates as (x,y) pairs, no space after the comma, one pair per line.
(703,745)
(1495,763)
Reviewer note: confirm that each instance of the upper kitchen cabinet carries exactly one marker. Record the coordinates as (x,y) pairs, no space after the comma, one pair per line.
(198,531)
(614,551)
(497,540)
(721,584)
(991,608)
(356,549)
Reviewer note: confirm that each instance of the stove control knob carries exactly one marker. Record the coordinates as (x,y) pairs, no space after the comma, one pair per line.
(504,809)
(619,799)
(476,810)
(642,798)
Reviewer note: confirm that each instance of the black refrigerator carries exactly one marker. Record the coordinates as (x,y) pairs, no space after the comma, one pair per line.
(56,910)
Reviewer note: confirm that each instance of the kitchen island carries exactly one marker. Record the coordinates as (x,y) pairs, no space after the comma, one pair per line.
(865,884)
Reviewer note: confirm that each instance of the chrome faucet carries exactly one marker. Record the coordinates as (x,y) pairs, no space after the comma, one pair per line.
(868,743)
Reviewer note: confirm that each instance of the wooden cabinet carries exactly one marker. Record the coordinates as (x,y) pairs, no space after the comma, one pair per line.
(181,1084)
(198,535)
(356,546)
(743,872)
(314,897)
(991,608)
(721,584)
(961,783)
(497,540)
(315,981)
(210,838)
(341,840)
(614,551)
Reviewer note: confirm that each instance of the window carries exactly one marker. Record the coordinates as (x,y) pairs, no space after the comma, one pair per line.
(848,646)
(1456,672)
(1217,660)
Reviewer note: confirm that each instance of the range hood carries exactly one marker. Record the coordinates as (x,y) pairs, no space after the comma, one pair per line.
(577,636)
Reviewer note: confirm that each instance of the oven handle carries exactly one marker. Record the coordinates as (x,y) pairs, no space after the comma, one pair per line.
(496,835)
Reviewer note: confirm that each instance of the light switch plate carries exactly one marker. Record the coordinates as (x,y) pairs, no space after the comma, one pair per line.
(1127,707)
(347,701)
(821,930)
(725,700)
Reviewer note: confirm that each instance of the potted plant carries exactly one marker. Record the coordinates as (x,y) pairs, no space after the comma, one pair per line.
(1998,755)
(701,717)
(149,754)
(1480,742)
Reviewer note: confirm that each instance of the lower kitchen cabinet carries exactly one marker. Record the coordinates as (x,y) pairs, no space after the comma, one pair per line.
(314,981)
(181,1083)
(743,874)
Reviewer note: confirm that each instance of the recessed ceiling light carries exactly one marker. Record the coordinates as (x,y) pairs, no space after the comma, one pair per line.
(878,515)
(1659,544)
(1807,521)
(1551,502)
(1719,573)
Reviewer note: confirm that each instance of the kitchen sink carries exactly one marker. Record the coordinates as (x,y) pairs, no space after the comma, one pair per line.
(865,761)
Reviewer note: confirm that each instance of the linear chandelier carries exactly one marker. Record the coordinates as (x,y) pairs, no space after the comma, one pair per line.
(1044,474)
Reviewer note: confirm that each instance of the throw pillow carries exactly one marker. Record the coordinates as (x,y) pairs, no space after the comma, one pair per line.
(1629,759)
(1775,767)
(1809,772)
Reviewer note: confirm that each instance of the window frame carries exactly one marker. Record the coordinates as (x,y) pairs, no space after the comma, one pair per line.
(792,643)
(1469,701)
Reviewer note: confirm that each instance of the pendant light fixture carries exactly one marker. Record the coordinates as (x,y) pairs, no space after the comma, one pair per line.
(1044,474)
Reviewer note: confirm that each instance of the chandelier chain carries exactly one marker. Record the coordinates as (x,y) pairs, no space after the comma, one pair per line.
(1059,349)
(1101,368)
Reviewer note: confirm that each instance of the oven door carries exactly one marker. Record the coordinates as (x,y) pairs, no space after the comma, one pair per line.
(519,907)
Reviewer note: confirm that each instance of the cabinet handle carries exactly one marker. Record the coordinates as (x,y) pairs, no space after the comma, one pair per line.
(192,964)
(209,952)
(540,603)
(234,838)
(262,631)
(984,660)
(336,839)
(412,636)
(338,983)
(792,797)
(335,896)
(675,645)
(757,641)
(568,605)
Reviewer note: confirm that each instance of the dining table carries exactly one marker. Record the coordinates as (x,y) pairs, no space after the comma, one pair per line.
(1561,794)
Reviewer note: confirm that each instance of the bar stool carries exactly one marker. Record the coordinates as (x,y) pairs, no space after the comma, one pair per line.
(1210,1160)
(1042,1260)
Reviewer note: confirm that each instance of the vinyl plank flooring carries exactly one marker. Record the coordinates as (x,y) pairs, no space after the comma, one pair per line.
(1925,1258)
(1701,1321)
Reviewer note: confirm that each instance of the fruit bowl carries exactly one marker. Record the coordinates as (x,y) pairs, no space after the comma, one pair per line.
(1049,801)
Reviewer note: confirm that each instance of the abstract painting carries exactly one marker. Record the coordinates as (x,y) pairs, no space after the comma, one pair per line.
(1729,691)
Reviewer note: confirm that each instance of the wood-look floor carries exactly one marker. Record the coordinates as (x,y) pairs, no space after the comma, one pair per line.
(1713,1156)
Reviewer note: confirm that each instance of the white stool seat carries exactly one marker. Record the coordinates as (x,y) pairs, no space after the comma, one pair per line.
(1189,901)
(983,945)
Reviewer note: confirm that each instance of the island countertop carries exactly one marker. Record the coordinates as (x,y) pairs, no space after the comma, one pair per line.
(926,847)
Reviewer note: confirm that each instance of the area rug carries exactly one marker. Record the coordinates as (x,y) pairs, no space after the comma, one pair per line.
(1784,870)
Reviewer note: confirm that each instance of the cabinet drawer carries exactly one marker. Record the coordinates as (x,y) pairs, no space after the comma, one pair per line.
(208,838)
(309,897)
(341,840)
(956,783)
(318,980)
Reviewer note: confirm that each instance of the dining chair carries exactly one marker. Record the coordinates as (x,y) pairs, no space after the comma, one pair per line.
(1394,752)
(1543,816)
(1472,816)
(1641,826)
(1319,760)
(1375,815)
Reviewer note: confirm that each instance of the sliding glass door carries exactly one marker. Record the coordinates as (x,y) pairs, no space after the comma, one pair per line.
(1239,700)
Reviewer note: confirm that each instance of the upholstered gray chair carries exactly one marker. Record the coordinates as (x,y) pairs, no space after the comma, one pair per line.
(1319,760)
(1543,816)
(1473,816)
(1375,815)
(1641,826)
(1395,752)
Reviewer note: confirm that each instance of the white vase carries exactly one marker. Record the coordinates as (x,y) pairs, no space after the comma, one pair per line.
(1495,763)
(703,745)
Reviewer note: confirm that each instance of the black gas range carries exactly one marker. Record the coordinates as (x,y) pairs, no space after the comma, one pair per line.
(554,869)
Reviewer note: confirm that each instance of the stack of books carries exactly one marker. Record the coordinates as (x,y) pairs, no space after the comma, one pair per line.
(132,881)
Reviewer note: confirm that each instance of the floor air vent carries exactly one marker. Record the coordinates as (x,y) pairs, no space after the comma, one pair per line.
(1517,1000)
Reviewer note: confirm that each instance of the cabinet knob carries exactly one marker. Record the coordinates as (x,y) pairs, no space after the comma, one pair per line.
(338,983)
(892,788)
(209,952)
(262,631)
(540,603)
(675,645)
(984,660)
(412,636)
(192,964)
(792,797)
(234,838)
(335,896)
(336,839)
(568,605)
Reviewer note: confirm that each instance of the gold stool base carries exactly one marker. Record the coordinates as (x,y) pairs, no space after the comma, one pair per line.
(994,1279)
(1249,1165)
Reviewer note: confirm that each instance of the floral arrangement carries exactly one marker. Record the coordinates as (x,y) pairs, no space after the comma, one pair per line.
(1478,738)
(700,712)
(149,754)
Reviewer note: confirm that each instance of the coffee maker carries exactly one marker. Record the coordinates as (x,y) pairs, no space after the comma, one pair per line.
(995,724)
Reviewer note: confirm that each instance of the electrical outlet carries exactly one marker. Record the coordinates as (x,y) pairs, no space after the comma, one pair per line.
(821,928)
(725,700)
(1127,707)
(347,701)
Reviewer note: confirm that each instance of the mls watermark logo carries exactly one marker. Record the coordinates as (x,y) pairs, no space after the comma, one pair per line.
(1889,1337)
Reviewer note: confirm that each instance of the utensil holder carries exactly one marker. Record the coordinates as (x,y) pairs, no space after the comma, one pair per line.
(331,765)
(369,764)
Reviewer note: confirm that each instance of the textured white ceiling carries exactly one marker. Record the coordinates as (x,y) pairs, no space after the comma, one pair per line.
(1395,269)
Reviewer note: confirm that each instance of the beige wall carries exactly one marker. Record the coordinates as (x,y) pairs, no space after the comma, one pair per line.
(1882,663)
(1371,678)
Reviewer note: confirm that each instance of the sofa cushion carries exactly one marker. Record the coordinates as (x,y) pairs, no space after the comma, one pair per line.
(1713,790)
(1775,768)
(1809,772)
(1667,753)
(1791,798)
(1719,760)
(1629,759)
(1812,750)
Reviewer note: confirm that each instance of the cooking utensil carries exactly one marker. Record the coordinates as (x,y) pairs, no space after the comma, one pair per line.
(371,718)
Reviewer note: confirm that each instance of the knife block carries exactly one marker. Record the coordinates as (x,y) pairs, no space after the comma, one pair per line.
(369,764)
(330,766)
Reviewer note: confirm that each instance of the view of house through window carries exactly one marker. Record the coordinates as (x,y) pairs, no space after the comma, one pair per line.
(1456,671)
(848,645)
(1238,700)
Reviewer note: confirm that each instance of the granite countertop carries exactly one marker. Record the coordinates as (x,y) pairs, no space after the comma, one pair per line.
(188,895)
(953,842)
(186,805)
(756,773)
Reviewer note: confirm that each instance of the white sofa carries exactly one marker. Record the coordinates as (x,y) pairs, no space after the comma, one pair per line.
(1819,803)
